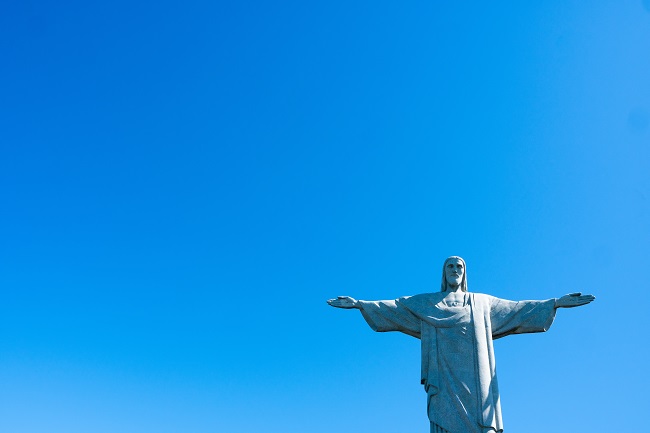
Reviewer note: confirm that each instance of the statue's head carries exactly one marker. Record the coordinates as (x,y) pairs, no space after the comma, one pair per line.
(454,274)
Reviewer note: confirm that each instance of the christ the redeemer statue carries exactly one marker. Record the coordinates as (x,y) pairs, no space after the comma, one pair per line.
(456,329)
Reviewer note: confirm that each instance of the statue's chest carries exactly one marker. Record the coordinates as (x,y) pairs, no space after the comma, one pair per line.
(455,300)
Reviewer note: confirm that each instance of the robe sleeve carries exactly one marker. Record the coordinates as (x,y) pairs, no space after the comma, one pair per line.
(509,317)
(384,316)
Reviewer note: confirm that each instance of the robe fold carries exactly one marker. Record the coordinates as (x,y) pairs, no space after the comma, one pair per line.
(458,365)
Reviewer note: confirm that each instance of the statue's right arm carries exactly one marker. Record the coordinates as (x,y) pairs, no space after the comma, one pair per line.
(344,302)
(382,316)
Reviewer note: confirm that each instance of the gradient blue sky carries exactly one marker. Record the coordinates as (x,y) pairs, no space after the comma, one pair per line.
(183,185)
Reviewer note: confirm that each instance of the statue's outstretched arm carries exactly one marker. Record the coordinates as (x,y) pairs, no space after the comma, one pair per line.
(382,316)
(344,302)
(573,300)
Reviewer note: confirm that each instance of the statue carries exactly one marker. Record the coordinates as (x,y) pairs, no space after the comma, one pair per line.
(456,329)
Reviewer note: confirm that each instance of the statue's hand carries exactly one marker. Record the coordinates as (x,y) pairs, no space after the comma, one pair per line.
(573,300)
(344,302)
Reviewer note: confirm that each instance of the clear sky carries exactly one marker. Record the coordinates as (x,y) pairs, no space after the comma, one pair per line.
(184,184)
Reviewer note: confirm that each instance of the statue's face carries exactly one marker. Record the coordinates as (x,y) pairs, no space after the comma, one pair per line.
(454,271)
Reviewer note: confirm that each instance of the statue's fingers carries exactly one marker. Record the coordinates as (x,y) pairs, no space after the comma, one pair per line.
(575,294)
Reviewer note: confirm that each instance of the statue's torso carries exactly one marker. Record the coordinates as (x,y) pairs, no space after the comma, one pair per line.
(455,299)
(458,393)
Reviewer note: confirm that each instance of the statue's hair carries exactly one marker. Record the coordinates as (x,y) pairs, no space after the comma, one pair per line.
(463,283)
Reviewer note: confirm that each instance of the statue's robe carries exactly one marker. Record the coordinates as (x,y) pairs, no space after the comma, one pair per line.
(458,366)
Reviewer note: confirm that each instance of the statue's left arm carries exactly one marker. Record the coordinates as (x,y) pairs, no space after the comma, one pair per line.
(520,317)
(573,300)
(510,317)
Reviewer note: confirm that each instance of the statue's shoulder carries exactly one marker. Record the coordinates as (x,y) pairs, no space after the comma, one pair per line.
(422,299)
(482,297)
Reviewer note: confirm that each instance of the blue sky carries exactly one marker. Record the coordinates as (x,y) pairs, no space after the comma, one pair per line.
(183,185)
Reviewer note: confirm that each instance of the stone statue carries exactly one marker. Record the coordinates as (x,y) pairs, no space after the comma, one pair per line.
(456,329)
